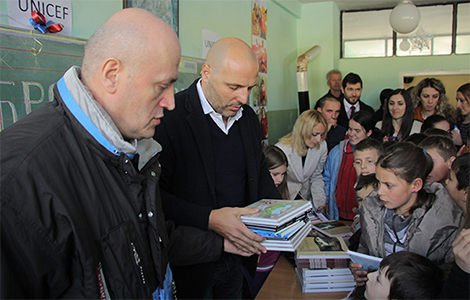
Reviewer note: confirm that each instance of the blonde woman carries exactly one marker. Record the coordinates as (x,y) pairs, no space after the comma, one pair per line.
(306,153)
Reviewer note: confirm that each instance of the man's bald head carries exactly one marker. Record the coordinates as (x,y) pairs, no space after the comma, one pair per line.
(228,50)
(130,66)
(129,35)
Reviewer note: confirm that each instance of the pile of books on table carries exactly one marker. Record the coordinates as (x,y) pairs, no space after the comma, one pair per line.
(284,223)
(323,265)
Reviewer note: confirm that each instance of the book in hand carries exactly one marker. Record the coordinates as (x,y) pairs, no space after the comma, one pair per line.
(284,233)
(288,245)
(283,223)
(369,263)
(275,213)
(333,228)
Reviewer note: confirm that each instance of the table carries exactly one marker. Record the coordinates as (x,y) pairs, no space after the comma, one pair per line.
(282,283)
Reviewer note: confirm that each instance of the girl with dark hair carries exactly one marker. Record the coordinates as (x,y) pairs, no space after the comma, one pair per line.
(463,111)
(429,98)
(404,213)
(339,174)
(276,162)
(398,122)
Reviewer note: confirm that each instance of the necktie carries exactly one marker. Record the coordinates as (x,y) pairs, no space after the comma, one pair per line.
(352,111)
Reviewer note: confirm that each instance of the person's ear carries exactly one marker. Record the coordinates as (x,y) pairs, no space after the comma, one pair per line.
(319,109)
(109,74)
(369,133)
(450,161)
(206,72)
(417,184)
(465,195)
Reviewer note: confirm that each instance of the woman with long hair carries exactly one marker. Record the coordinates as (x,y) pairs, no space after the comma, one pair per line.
(398,122)
(463,111)
(429,98)
(306,153)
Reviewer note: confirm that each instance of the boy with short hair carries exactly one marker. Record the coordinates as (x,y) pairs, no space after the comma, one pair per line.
(364,186)
(366,153)
(443,152)
(405,275)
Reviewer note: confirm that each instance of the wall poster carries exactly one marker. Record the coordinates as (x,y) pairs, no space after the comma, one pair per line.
(259,23)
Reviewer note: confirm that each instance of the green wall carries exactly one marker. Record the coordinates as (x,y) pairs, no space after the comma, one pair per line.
(318,26)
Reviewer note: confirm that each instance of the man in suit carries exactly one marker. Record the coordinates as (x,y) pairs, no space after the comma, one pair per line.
(352,89)
(212,164)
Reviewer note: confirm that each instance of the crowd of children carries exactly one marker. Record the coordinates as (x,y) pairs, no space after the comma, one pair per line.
(405,189)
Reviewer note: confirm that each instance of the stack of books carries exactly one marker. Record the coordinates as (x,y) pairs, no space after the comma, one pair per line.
(333,228)
(284,223)
(323,265)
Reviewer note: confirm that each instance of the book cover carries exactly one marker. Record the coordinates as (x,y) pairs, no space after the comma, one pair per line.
(322,247)
(316,217)
(333,228)
(369,263)
(276,212)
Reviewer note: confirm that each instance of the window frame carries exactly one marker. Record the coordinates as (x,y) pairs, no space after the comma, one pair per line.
(394,33)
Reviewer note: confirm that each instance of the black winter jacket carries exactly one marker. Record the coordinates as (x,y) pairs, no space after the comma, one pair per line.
(75,216)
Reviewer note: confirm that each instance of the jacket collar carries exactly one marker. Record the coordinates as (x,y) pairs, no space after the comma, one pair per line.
(98,123)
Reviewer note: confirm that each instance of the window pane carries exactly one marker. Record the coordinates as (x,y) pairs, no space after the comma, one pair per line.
(442,45)
(370,48)
(389,47)
(463,28)
(433,35)
(412,46)
(357,26)
(463,44)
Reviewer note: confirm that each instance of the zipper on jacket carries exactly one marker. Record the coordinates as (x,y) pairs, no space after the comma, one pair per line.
(137,262)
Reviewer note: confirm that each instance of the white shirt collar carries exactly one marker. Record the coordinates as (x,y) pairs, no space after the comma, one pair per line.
(347,106)
(216,117)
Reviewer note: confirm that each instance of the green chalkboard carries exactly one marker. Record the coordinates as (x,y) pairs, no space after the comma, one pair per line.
(31,63)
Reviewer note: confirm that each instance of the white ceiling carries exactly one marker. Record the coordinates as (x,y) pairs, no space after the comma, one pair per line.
(376,4)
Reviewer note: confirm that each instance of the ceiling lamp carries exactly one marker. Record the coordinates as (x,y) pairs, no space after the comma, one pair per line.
(405,17)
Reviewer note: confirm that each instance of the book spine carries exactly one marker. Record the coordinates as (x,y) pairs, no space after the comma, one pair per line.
(321,263)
